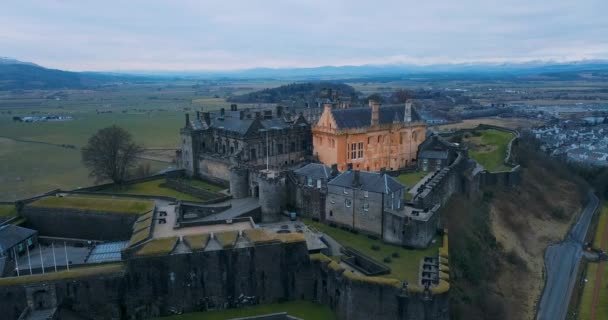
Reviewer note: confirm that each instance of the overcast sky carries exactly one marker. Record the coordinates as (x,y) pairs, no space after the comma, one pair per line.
(229,34)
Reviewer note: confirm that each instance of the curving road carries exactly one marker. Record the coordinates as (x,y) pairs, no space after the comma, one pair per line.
(561,265)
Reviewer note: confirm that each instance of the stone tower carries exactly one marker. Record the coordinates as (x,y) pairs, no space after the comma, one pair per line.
(239,182)
(271,186)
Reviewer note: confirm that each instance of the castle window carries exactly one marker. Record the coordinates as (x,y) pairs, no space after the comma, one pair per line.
(318,183)
(366,206)
(224,149)
(280,148)
(360,152)
(366,194)
(252,154)
(345,191)
(353,151)
(292,147)
(348,203)
(231,150)
(309,181)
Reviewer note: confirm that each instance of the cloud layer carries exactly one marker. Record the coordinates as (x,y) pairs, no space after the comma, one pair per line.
(228,35)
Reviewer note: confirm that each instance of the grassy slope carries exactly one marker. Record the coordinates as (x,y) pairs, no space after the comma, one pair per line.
(301,309)
(73,273)
(128,206)
(587,295)
(496,141)
(7,211)
(152,188)
(404,268)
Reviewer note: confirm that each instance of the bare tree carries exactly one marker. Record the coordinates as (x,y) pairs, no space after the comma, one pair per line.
(110,153)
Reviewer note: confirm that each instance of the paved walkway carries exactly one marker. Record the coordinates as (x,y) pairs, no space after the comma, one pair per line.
(598,273)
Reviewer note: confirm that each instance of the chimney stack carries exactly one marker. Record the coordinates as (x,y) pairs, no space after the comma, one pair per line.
(187,119)
(222,113)
(375,112)
(207,118)
(356,179)
(233,107)
(279,111)
(334,170)
(407,117)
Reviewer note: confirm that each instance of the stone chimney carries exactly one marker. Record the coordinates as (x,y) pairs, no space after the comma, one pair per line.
(187,119)
(407,117)
(222,113)
(241,114)
(356,178)
(279,111)
(375,112)
(207,118)
(334,170)
(233,107)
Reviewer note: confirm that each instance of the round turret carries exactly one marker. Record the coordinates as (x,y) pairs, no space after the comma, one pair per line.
(239,182)
(271,189)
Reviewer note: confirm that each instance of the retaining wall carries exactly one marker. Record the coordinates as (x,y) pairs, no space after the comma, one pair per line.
(79,224)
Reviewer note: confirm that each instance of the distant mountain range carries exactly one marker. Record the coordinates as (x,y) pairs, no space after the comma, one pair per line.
(16,74)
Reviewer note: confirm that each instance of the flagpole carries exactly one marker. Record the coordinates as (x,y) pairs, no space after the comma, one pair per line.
(29,262)
(54,259)
(41,260)
(67,263)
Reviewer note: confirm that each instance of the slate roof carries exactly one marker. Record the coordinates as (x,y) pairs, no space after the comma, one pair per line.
(361,117)
(370,181)
(11,235)
(434,154)
(233,123)
(314,170)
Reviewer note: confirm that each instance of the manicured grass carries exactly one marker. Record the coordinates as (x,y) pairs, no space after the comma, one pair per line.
(73,273)
(301,309)
(7,211)
(152,188)
(127,206)
(157,247)
(203,185)
(410,179)
(585,304)
(490,149)
(405,267)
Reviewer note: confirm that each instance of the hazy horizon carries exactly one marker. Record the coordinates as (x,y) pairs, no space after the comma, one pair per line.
(167,36)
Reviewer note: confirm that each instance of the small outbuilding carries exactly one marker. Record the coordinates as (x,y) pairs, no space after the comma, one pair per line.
(15,240)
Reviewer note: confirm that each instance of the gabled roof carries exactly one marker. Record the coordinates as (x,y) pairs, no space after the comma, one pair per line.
(11,235)
(433,154)
(232,122)
(362,116)
(314,170)
(369,181)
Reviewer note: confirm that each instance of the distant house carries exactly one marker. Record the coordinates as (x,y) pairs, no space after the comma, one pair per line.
(435,153)
(357,200)
(15,239)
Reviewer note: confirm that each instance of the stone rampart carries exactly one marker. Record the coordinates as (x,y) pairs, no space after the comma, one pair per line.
(79,224)
(208,196)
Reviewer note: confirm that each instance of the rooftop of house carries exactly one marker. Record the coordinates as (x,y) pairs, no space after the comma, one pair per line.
(360,117)
(314,171)
(367,181)
(11,235)
(433,154)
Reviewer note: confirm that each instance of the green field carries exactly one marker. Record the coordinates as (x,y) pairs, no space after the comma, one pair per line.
(410,179)
(128,206)
(405,267)
(301,309)
(586,301)
(490,148)
(7,211)
(153,188)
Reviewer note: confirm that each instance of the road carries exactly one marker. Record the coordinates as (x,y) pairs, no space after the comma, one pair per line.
(561,265)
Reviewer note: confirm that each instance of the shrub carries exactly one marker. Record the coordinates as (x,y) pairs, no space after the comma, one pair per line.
(395,254)
(375,247)
(388,259)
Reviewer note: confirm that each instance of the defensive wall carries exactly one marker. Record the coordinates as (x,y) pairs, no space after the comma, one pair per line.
(267,272)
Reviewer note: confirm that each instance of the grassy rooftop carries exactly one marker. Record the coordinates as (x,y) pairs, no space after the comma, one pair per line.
(158,247)
(115,205)
(197,242)
(404,267)
(301,309)
(154,188)
(227,239)
(7,211)
(490,148)
(60,275)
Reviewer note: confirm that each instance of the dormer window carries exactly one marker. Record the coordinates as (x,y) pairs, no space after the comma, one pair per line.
(309,182)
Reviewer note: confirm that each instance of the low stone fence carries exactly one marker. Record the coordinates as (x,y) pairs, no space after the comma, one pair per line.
(169,174)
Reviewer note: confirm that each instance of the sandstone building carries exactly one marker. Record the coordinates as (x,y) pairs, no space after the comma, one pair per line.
(212,141)
(369,138)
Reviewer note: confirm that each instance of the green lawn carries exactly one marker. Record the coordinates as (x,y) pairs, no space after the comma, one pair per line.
(405,267)
(152,188)
(587,295)
(7,211)
(203,185)
(410,179)
(127,206)
(490,149)
(301,309)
